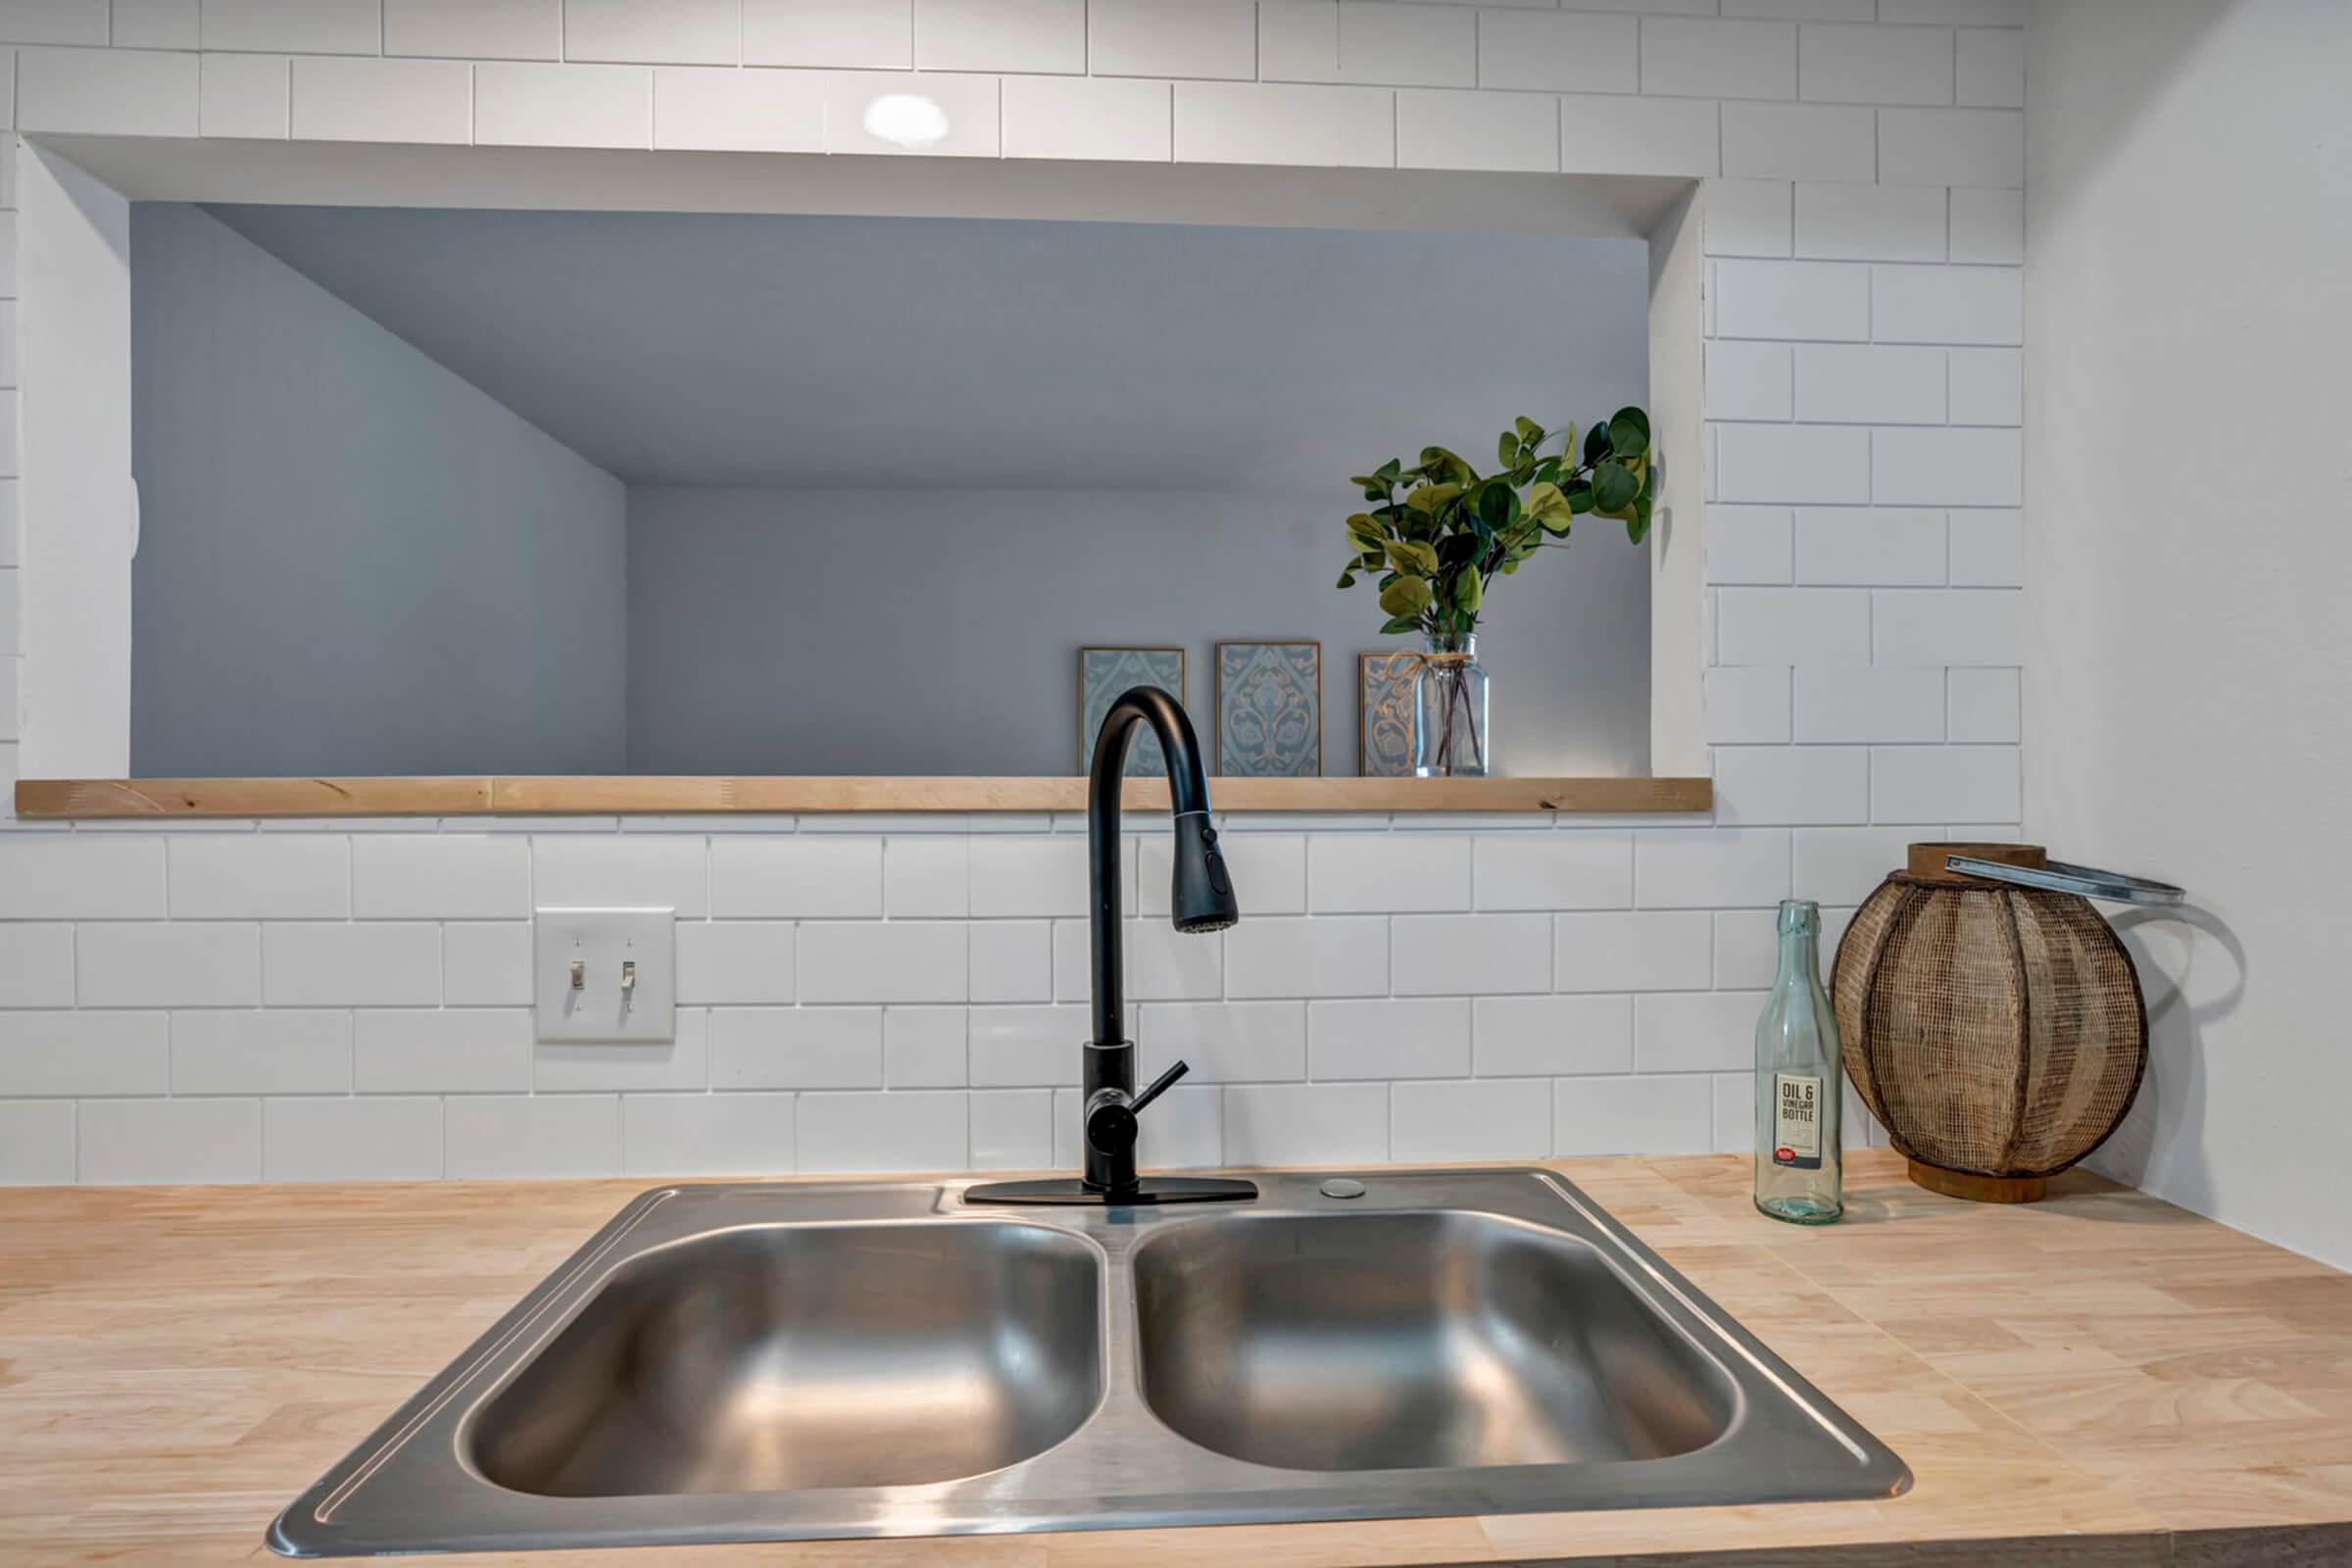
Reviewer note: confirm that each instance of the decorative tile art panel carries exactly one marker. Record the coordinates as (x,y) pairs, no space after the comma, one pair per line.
(1384,713)
(1270,710)
(1103,674)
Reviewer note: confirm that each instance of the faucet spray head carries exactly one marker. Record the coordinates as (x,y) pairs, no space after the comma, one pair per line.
(1200,896)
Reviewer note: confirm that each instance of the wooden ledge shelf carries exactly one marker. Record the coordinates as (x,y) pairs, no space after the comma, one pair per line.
(73,798)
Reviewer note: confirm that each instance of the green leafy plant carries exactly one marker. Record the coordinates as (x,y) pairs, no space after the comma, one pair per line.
(1438,545)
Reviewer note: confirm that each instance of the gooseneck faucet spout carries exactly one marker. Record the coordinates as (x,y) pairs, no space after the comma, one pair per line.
(1201,901)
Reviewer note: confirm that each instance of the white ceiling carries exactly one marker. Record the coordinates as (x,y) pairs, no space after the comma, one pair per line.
(952,353)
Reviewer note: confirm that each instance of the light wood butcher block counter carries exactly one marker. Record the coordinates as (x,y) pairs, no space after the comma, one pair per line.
(2099,1379)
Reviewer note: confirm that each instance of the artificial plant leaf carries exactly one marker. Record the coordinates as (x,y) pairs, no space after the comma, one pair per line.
(1437,461)
(1412,555)
(1596,443)
(1397,624)
(1406,596)
(1468,591)
(1347,578)
(1390,469)
(1529,430)
(1629,432)
(1636,521)
(1507,449)
(1614,486)
(1495,505)
(1580,496)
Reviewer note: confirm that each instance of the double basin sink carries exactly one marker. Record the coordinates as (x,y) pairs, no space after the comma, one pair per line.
(809,1362)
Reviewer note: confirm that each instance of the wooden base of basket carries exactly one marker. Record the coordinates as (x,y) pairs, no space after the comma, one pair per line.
(1980,1189)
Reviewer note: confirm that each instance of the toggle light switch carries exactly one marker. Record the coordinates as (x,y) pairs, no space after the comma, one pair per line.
(605,974)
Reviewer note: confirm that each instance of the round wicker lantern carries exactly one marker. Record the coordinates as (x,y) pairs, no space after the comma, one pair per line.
(1996,1031)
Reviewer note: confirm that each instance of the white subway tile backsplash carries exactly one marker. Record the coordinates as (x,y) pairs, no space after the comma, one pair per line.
(1297,40)
(885,962)
(248,96)
(1464,130)
(1949,626)
(1306,1124)
(1347,127)
(1542,1037)
(1794,785)
(1224,1041)
(1988,225)
(384,1139)
(572,1067)
(59,876)
(1818,300)
(1088,117)
(1602,133)
(1700,869)
(1388,44)
(1557,51)
(804,878)
(1269,868)
(1988,549)
(723,109)
(1027,1045)
(1747,704)
(1873,64)
(1029,35)
(1840,866)
(1873,547)
(475,30)
(1829,464)
(1992,70)
(1952,147)
(534,105)
(485,965)
(1641,1115)
(1332,955)
(1948,304)
(735,962)
(169,1141)
(1579,870)
(796,1047)
(1491,1121)
(1750,545)
(429,1051)
(1952,467)
(902,1131)
(1871,223)
(1033,877)
(36,1143)
(1707,1031)
(1355,873)
(691,32)
(177,965)
(541,1136)
(850,35)
(413,876)
(923,1048)
(84,1053)
(1805,626)
(1980,13)
(706,1135)
(1389,1037)
(1645,951)
(363,964)
(345,98)
(245,876)
(1206,38)
(292,26)
(1748,216)
(927,876)
(282,1051)
(1749,380)
(1868,703)
(1863,384)
(1983,707)
(1481,955)
(1797,141)
(1013,961)
(1946,784)
(1987,386)
(74,21)
(1012,1129)
(600,871)
(36,965)
(1692,58)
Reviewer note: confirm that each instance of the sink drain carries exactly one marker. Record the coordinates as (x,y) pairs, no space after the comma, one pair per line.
(1342,1187)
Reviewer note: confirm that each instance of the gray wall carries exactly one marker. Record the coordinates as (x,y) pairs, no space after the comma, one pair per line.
(927,631)
(351,561)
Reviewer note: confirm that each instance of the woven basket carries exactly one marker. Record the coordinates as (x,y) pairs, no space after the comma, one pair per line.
(1998,1032)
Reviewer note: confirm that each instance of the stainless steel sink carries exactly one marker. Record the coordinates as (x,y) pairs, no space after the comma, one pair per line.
(794,1362)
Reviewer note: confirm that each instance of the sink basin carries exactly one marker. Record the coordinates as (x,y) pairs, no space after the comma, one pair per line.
(1413,1341)
(808,1361)
(773,1358)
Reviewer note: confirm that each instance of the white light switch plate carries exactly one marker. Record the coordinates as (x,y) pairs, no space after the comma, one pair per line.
(603,943)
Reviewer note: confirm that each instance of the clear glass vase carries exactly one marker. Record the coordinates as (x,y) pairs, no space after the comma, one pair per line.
(1449,711)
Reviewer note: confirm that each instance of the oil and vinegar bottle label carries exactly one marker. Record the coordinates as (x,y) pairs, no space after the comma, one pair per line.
(1797,1120)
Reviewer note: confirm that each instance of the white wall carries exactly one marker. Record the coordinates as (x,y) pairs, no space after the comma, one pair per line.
(275,1003)
(351,562)
(2191,310)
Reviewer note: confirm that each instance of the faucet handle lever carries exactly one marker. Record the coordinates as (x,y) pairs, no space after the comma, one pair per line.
(1152,1090)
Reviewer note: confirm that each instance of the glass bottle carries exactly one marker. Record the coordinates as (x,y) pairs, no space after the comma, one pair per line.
(1798,1082)
(1449,709)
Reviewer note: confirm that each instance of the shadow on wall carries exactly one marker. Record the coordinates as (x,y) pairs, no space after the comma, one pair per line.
(2177,951)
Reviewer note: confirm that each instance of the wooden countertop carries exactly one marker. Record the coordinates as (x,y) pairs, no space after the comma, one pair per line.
(2097,1379)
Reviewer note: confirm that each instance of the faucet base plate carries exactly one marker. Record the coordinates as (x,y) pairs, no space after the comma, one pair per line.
(1151,1190)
